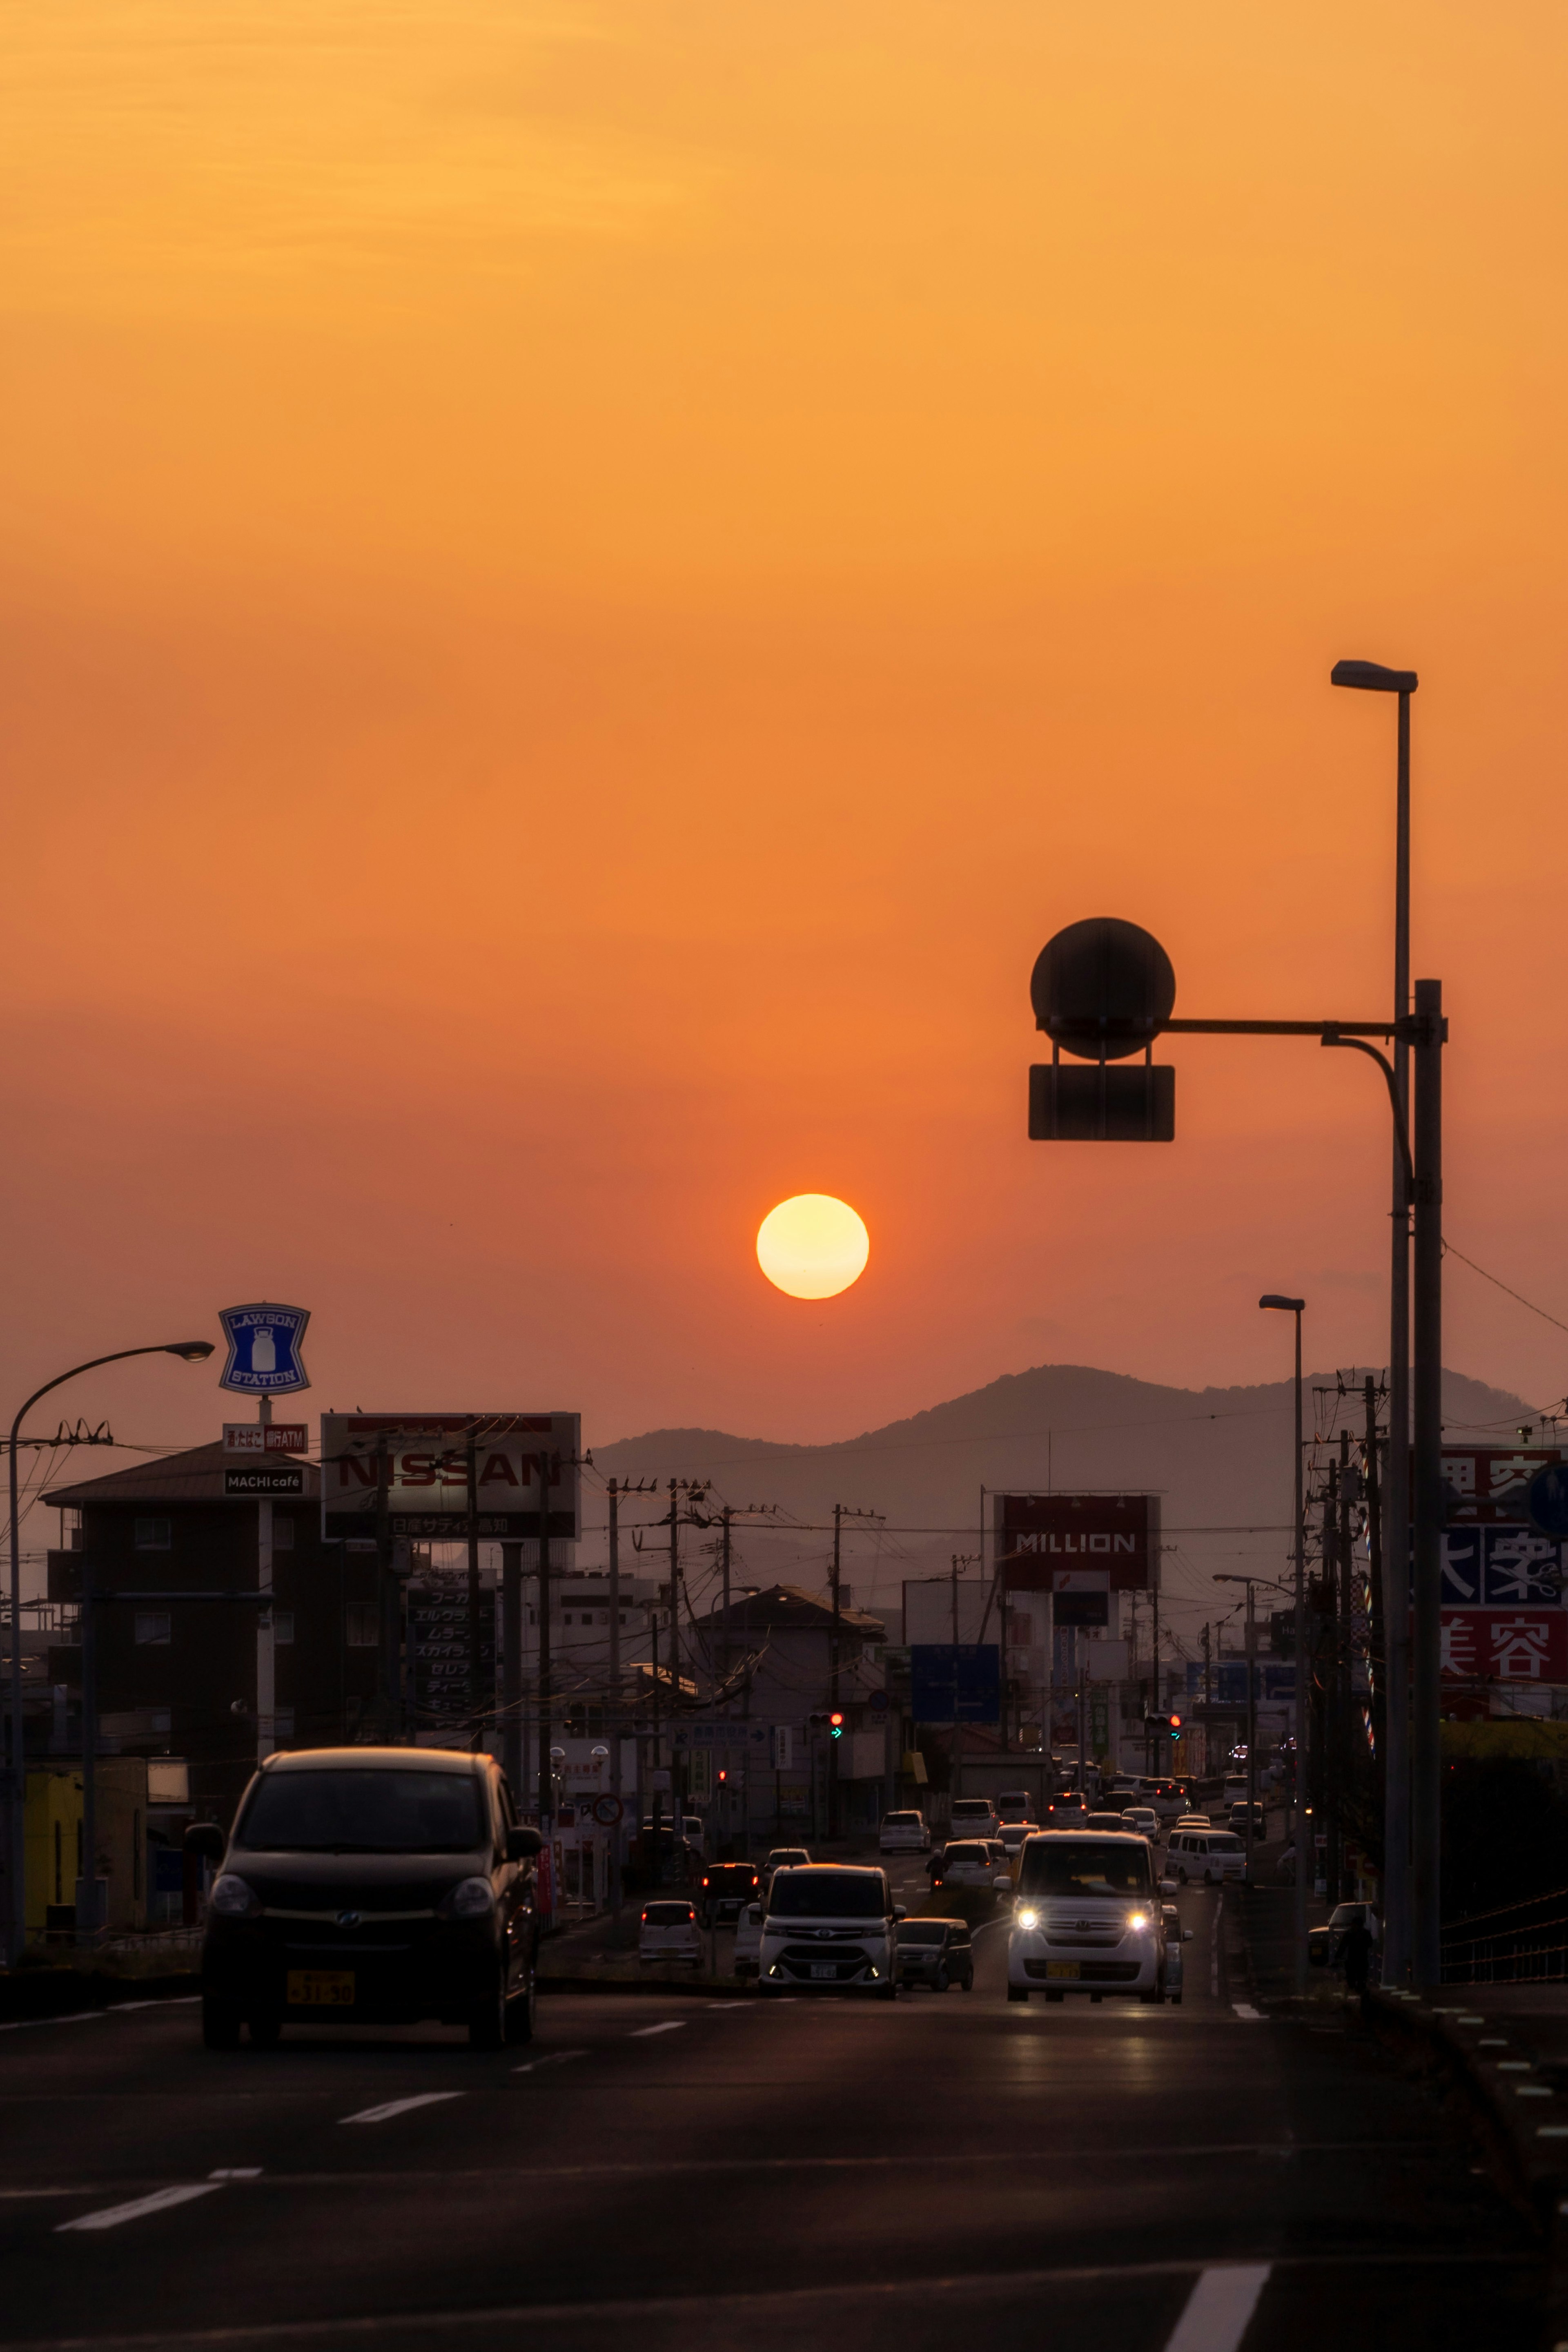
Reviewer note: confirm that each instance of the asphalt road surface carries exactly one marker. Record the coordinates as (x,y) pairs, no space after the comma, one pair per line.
(671,2170)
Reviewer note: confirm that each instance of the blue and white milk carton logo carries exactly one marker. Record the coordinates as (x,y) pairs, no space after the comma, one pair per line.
(265,1348)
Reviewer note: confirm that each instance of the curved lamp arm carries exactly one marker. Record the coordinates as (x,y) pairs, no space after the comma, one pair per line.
(1401,1131)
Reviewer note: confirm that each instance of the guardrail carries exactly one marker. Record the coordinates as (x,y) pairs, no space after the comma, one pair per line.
(1520,1943)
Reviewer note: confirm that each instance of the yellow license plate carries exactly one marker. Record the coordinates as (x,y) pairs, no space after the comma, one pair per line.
(1062,1967)
(320,1988)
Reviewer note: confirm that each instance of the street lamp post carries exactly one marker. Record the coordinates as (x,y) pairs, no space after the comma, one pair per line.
(1371,678)
(192,1351)
(1297,1306)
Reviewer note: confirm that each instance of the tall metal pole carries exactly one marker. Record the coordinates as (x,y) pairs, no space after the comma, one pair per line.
(513,1749)
(476,1736)
(1306,1851)
(547,1771)
(1251,1719)
(833,1677)
(1397,1551)
(616,1709)
(1428,1484)
(86,1877)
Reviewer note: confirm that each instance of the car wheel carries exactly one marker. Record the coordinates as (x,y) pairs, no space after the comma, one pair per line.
(488,2019)
(943,1980)
(1056,1996)
(1175,2000)
(264,2031)
(969,1981)
(1019,1993)
(520,2011)
(220,2023)
(885,1992)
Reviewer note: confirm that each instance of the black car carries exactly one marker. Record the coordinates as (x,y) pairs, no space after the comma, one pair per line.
(371,1885)
(727,1888)
(935,1952)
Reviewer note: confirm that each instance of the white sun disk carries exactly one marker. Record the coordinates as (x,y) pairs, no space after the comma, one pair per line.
(812,1246)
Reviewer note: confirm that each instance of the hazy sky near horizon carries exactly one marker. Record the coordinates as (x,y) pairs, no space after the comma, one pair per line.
(585,582)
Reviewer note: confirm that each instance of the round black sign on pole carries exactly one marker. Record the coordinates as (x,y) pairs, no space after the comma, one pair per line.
(1103,989)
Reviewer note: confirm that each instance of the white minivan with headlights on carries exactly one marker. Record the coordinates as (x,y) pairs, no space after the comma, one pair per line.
(829,1927)
(1087,1919)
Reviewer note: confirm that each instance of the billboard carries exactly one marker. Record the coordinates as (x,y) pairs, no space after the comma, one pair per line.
(1038,1535)
(438,1636)
(420,1461)
(1486,1483)
(1505,1645)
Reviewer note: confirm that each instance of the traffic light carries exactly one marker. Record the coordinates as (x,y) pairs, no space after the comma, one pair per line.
(1175,1727)
(723,1777)
(1167,1727)
(836,1725)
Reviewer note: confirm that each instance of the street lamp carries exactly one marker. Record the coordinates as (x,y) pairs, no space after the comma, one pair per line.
(192,1351)
(1274,1301)
(1372,677)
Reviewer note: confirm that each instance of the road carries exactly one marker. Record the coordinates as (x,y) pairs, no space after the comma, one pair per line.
(660,2170)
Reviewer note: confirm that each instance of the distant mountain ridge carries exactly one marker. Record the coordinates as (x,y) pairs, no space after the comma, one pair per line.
(1219,1459)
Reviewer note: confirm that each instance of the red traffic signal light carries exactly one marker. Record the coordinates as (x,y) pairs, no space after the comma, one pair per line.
(723,1777)
(1175,1727)
(836,1725)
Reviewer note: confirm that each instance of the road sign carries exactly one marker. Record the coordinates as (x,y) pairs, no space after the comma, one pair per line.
(782,1743)
(607,1812)
(265,1343)
(266,1479)
(1103,989)
(958,1684)
(253,1437)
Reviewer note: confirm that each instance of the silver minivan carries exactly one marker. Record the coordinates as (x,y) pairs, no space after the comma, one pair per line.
(1210,1856)
(829,1927)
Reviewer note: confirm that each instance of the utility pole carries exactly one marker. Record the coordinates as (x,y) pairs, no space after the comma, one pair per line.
(477,1737)
(1343,1661)
(954,1768)
(543,1467)
(658,1856)
(386,1589)
(513,1748)
(1428,1030)
(616,1709)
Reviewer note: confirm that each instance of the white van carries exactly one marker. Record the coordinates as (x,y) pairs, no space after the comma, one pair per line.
(974,1817)
(1210,1855)
(829,1927)
(1088,1919)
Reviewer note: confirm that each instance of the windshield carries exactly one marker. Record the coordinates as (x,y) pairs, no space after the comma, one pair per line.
(1224,1844)
(971,1808)
(1084,1865)
(731,1873)
(966,1850)
(828,1894)
(355,1810)
(921,1931)
(667,1915)
(900,1820)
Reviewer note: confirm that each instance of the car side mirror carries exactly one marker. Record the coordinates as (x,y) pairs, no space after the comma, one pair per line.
(1169,1886)
(205,1839)
(901,1911)
(1002,1885)
(523,1845)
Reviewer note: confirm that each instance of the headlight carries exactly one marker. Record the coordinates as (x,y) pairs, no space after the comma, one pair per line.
(1028,1917)
(470,1899)
(232,1898)
(1137,1921)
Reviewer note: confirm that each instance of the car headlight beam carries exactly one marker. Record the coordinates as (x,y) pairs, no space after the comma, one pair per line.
(1029,1917)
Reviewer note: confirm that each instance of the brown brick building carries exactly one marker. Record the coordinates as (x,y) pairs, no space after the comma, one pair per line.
(180,1679)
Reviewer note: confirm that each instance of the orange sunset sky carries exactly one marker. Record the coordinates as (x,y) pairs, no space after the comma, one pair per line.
(586,582)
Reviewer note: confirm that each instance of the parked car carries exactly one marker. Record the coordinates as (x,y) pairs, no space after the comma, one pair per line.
(1175,1937)
(669,1933)
(748,1940)
(328,1842)
(830,1926)
(1210,1856)
(1323,1943)
(1141,1820)
(727,1888)
(903,1834)
(972,1817)
(935,1952)
(784,1857)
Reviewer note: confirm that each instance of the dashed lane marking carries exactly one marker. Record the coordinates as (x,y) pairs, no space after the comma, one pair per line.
(1219,2308)
(384,2113)
(109,2217)
(556,2058)
(1245,2009)
(670,2025)
(75,2017)
(236,2172)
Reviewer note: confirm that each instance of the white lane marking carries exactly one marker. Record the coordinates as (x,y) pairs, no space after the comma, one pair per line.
(1219,2308)
(722,2007)
(74,2017)
(670,2025)
(109,2217)
(1245,2009)
(399,2107)
(556,2058)
(236,2172)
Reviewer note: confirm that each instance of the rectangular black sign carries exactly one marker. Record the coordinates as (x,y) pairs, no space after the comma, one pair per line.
(266,1479)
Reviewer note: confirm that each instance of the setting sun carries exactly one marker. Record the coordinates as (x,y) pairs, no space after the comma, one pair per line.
(813,1246)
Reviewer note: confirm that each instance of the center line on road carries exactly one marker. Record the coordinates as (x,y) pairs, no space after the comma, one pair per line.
(399,2107)
(1220,2309)
(670,2025)
(556,2058)
(109,2217)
